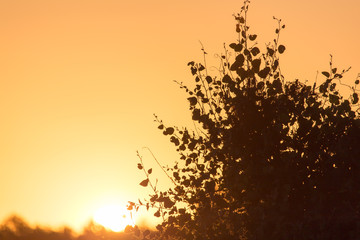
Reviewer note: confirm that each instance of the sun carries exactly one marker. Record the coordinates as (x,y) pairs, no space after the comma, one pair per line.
(113,217)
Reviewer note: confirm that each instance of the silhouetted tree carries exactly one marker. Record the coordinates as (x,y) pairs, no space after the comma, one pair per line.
(15,228)
(269,159)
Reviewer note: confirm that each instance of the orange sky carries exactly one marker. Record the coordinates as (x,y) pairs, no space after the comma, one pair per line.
(81,79)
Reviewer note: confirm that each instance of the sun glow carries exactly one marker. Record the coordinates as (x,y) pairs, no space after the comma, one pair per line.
(113,217)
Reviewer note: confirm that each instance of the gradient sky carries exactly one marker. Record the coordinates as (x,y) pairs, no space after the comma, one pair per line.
(81,79)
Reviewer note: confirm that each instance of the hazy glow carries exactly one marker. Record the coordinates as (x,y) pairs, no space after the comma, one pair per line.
(113,217)
(80,81)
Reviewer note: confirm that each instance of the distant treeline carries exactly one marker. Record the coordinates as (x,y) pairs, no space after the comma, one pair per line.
(16,228)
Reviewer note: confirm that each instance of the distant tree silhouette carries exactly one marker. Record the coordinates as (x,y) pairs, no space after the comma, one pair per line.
(15,228)
(269,159)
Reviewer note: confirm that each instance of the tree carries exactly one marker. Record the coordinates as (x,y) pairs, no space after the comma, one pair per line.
(269,159)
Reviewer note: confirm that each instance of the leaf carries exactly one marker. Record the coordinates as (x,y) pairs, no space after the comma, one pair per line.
(252,37)
(255,51)
(191,63)
(260,85)
(205,100)
(264,72)
(243,34)
(357,82)
(176,175)
(334,99)
(208,79)
(334,70)
(256,65)
(238,47)
(277,85)
(326,74)
(149,171)
(193,70)
(232,45)
(323,88)
(337,75)
(355,98)
(196,114)
(145,182)
(247,53)
(175,141)
(237,28)
(192,100)
(271,51)
(332,86)
(157,214)
(226,79)
(168,203)
(281,49)
(239,61)
(169,131)
(139,166)
(188,161)
(161,126)
(275,65)
(242,73)
(235,66)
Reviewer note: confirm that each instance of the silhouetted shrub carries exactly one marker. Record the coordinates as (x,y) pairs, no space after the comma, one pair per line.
(269,159)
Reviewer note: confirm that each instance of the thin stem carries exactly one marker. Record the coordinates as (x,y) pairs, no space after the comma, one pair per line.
(151,185)
(162,168)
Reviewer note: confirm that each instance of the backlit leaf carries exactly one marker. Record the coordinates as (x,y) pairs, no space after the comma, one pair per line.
(255,51)
(145,182)
(232,45)
(157,214)
(334,99)
(281,48)
(264,72)
(256,64)
(192,100)
(355,98)
(252,37)
(226,79)
(326,74)
(170,130)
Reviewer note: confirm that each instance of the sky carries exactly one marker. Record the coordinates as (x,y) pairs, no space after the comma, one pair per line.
(80,81)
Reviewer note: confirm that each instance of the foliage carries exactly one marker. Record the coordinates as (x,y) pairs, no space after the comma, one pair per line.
(269,159)
(15,228)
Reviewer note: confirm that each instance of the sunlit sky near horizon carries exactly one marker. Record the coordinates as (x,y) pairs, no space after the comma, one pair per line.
(81,80)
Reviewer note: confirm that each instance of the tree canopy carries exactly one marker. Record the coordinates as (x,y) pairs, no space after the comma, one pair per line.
(268,159)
